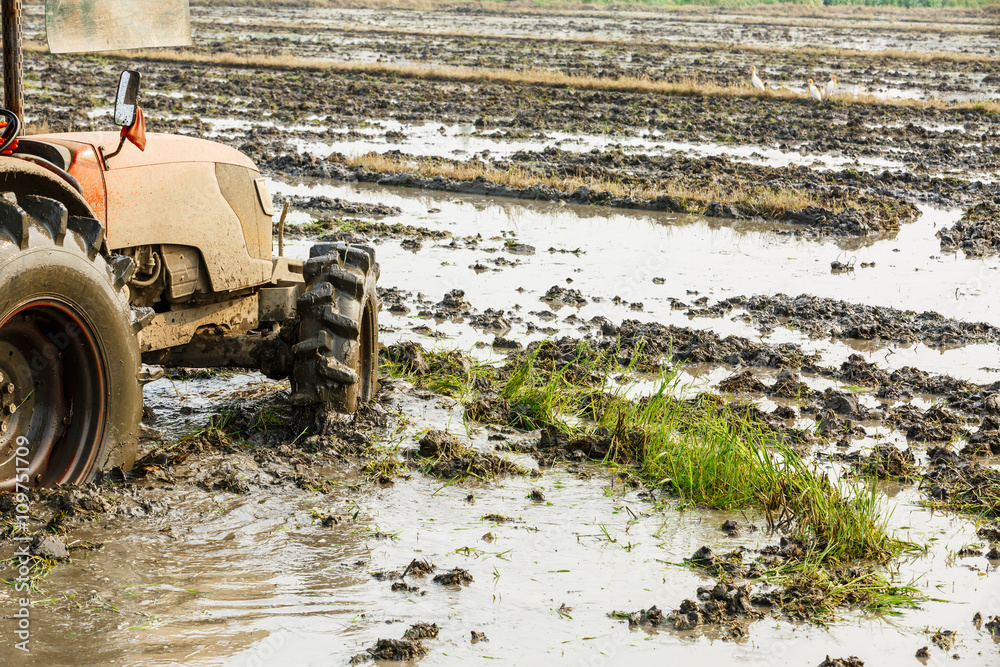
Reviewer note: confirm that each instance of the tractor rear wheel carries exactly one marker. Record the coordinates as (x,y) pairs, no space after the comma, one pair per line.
(70,402)
(336,358)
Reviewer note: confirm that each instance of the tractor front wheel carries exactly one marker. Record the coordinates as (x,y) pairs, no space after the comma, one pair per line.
(336,358)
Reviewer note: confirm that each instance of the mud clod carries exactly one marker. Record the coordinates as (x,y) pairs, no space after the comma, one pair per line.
(564,296)
(439,443)
(887,462)
(744,382)
(703,557)
(455,459)
(842,662)
(418,568)
(422,631)
(478,637)
(652,617)
(397,650)
(49,546)
(456,577)
(977,233)
(342,206)
(403,587)
(990,532)
(409,356)
(733,528)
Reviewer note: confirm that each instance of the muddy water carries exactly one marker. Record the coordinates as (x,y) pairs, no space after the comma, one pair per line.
(198,578)
(621,252)
(218,579)
(465,141)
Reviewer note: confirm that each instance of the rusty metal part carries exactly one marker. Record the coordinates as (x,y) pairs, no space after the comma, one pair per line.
(178,327)
(73,26)
(11,130)
(13,65)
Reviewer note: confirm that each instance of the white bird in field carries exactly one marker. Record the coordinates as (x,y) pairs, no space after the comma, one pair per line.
(754,79)
(831,86)
(814,91)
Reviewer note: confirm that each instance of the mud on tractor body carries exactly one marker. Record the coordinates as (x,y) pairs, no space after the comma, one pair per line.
(117,256)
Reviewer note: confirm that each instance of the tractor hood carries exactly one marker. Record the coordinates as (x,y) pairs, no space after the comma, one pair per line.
(160,149)
(180,191)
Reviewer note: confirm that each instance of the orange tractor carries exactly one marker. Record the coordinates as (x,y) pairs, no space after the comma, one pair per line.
(119,249)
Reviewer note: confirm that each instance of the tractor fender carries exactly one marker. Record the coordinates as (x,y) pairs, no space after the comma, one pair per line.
(24,178)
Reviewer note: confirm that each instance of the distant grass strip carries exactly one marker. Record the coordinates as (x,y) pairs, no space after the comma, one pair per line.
(754,199)
(511,77)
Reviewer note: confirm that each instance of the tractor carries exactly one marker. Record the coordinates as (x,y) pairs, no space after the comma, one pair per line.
(123,252)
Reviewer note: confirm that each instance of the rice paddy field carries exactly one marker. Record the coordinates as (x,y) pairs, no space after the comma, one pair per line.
(673,367)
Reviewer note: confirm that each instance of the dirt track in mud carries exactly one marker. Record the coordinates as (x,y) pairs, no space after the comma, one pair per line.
(859,335)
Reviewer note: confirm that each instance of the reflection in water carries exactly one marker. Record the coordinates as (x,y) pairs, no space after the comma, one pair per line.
(624,250)
(199,578)
(258,579)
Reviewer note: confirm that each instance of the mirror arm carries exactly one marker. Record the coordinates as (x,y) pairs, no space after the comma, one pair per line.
(107,156)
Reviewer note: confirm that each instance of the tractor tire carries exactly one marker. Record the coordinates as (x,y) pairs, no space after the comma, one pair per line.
(70,401)
(336,357)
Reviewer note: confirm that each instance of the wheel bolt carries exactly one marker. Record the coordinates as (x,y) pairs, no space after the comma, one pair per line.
(11,408)
(9,388)
(66,421)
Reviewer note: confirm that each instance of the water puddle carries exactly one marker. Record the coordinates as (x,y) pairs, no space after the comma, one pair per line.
(618,253)
(465,141)
(262,579)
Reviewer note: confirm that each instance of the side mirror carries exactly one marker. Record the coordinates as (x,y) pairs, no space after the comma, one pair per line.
(127,101)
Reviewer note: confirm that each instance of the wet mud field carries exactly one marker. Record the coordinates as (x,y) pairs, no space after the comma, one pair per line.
(562,259)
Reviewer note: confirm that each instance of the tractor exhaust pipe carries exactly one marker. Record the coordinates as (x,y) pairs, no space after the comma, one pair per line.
(13,64)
